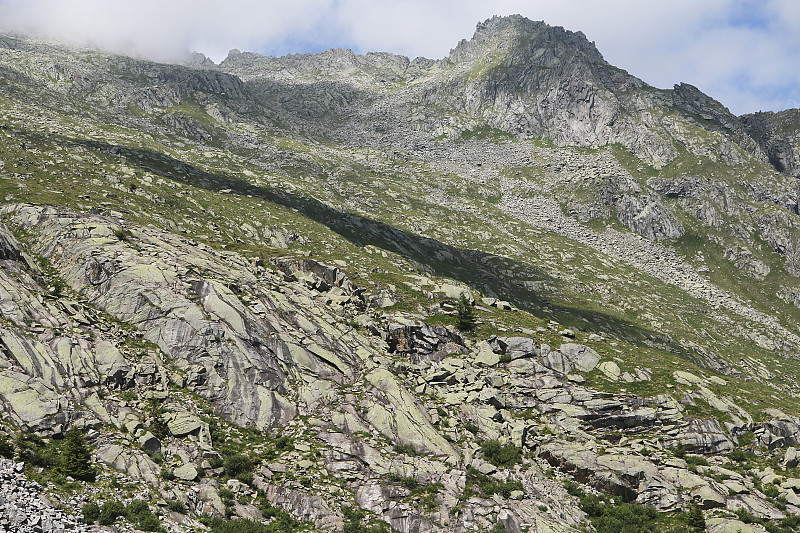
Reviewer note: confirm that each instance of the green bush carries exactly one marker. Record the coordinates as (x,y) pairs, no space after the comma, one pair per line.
(790,524)
(281,523)
(246,478)
(609,515)
(612,517)
(33,450)
(479,484)
(406,449)
(138,513)
(695,518)
(679,451)
(155,410)
(167,474)
(136,509)
(91,512)
(696,460)
(176,506)
(472,428)
(237,466)
(738,455)
(354,522)
(76,460)
(771,491)
(277,447)
(109,512)
(149,523)
(500,455)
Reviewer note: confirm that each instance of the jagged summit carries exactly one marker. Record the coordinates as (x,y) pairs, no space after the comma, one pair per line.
(520,33)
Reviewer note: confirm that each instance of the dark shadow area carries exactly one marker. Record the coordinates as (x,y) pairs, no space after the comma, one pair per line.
(473,267)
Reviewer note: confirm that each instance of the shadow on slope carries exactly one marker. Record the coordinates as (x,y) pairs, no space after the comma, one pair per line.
(474,267)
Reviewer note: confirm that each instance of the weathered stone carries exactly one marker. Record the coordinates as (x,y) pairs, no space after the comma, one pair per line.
(610,369)
(150,443)
(705,436)
(584,358)
(183,423)
(558,362)
(186,472)
(790,457)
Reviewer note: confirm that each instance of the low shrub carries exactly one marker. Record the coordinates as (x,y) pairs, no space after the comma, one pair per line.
(176,506)
(238,466)
(479,484)
(109,512)
(90,512)
(405,449)
(500,455)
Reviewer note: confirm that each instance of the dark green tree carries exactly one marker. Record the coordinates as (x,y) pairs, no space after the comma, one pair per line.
(6,447)
(695,518)
(76,460)
(466,314)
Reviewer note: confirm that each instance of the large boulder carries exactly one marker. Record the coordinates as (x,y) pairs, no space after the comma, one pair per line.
(705,436)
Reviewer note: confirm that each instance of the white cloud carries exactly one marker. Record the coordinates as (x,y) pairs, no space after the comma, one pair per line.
(742,52)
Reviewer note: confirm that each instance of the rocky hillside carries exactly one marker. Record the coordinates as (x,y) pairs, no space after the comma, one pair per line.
(514,289)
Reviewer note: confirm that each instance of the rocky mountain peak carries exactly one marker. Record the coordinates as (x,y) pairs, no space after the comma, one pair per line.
(527,40)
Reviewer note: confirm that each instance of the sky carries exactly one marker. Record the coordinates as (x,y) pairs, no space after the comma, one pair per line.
(744,53)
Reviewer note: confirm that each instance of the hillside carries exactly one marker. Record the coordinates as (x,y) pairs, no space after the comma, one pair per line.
(245,289)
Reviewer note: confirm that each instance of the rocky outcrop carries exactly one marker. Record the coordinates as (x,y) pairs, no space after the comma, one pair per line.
(778,134)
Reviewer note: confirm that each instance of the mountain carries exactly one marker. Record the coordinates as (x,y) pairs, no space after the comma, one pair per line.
(240,295)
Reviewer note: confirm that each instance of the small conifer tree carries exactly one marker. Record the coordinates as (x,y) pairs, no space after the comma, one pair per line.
(466,314)
(76,460)
(6,447)
(695,518)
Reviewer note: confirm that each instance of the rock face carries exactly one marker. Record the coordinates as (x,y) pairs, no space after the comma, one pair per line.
(778,134)
(533,80)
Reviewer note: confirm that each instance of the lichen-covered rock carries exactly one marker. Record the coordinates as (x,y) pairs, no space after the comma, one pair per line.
(396,414)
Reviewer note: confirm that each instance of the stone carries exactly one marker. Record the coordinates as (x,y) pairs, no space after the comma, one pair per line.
(136,464)
(754,505)
(186,472)
(485,356)
(610,369)
(404,422)
(790,457)
(791,483)
(183,423)
(584,358)
(706,437)
(558,362)
(730,525)
(24,507)
(150,443)
(686,378)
